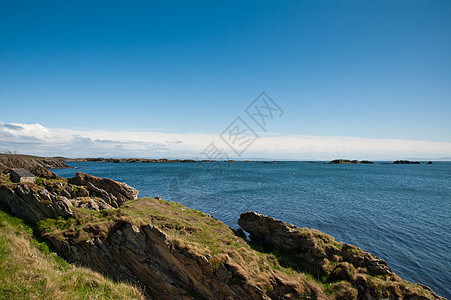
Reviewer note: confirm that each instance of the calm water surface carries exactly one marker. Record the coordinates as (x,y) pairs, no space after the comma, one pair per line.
(400,213)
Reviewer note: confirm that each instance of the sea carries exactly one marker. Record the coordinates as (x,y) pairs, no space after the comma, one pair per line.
(400,213)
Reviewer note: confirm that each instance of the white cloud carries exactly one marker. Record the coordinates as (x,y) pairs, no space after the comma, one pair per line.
(39,140)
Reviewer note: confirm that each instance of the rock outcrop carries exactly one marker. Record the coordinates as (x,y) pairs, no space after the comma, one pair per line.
(319,253)
(114,193)
(32,205)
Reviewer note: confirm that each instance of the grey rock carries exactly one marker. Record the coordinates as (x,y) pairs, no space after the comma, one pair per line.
(34,206)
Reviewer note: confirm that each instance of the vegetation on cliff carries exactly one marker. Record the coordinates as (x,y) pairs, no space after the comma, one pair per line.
(29,270)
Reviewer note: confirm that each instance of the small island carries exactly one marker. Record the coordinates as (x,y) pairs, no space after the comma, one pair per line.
(406,162)
(347,161)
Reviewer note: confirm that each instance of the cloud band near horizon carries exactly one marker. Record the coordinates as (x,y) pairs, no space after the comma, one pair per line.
(36,139)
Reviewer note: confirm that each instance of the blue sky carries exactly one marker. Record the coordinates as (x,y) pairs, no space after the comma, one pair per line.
(366,69)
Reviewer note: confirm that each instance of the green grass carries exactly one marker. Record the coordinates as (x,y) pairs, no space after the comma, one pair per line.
(30,270)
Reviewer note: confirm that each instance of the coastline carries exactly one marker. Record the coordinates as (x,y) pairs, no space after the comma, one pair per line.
(107,202)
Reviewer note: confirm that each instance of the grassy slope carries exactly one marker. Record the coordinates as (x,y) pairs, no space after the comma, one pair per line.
(29,270)
(190,229)
(207,236)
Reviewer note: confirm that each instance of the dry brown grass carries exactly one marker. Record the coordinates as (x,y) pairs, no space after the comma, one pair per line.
(28,270)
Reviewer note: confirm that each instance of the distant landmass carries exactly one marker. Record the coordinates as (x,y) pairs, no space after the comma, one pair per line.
(347,161)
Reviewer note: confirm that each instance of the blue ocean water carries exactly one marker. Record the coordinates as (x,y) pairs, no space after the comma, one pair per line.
(400,213)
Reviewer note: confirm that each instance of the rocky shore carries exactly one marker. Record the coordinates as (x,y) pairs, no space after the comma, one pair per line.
(173,252)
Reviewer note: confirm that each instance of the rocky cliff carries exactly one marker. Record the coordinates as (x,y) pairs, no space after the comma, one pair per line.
(366,276)
(173,252)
